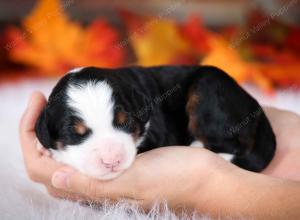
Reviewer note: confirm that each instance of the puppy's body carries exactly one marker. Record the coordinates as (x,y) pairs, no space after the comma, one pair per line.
(122,111)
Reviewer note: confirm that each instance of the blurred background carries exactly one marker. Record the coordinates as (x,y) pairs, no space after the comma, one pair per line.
(256,42)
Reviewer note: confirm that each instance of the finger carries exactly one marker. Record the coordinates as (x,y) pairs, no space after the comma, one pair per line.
(36,103)
(41,169)
(27,124)
(35,161)
(72,181)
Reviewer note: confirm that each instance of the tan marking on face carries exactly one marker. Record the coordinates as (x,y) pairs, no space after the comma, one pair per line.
(80,128)
(121,117)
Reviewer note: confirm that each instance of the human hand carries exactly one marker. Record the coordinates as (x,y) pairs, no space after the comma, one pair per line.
(40,167)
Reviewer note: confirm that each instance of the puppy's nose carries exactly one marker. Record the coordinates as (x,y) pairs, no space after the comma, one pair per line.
(111,162)
(111,154)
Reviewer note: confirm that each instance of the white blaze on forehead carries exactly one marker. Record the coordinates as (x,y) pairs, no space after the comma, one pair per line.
(93,102)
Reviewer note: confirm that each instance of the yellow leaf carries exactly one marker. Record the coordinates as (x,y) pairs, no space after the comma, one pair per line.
(159,43)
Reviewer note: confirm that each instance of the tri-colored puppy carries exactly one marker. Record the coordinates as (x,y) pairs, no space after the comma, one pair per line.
(97,119)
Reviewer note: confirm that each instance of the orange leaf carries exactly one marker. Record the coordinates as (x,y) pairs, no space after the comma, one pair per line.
(55,44)
(156,41)
(228,59)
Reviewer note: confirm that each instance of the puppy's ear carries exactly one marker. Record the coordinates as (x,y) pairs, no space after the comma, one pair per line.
(42,130)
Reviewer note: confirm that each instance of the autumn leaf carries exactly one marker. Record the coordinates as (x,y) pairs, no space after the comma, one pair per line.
(196,34)
(156,41)
(55,44)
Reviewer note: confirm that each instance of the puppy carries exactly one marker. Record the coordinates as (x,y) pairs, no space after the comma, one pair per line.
(97,119)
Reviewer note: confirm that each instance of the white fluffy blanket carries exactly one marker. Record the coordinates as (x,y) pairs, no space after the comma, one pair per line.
(22,199)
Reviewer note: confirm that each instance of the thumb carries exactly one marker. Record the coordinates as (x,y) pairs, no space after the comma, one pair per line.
(70,180)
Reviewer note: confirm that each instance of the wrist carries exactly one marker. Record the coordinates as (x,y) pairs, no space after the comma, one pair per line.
(232,192)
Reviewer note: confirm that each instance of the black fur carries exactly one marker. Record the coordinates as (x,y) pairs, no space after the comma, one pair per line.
(225,117)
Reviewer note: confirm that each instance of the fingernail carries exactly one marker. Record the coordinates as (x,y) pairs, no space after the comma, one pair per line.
(60,179)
